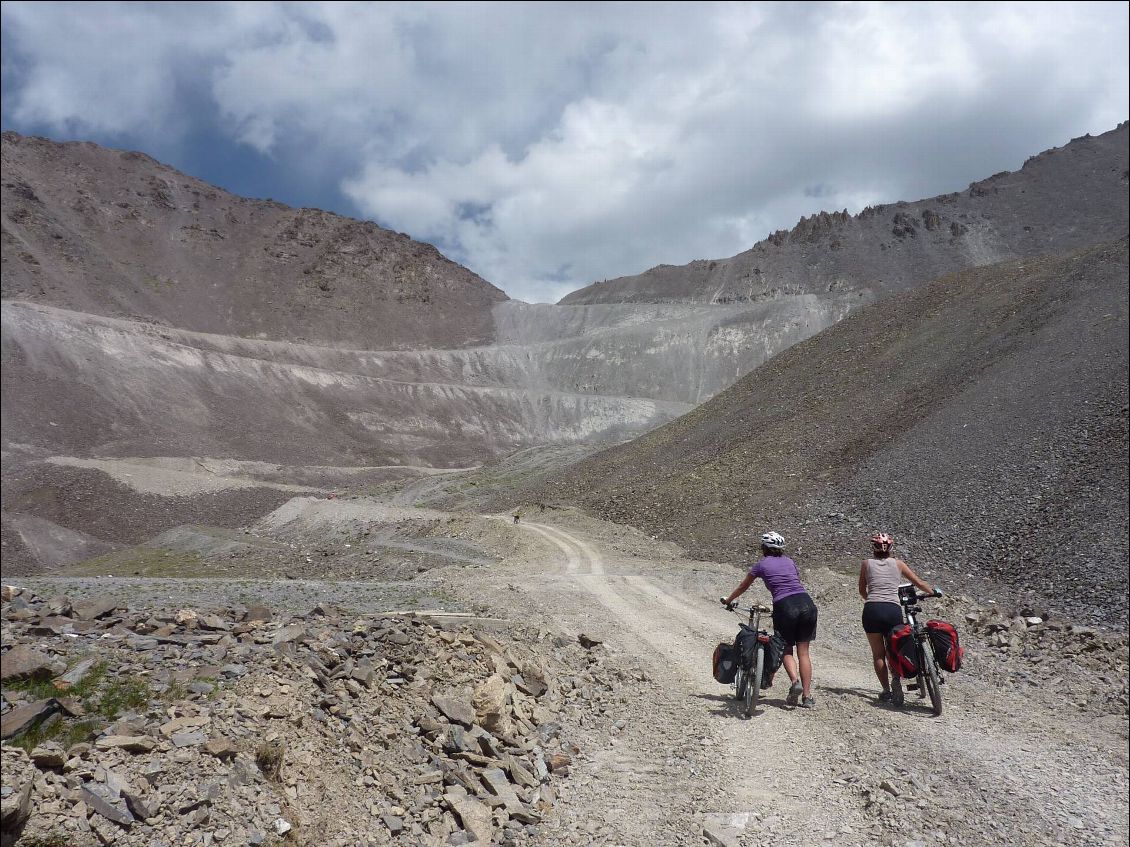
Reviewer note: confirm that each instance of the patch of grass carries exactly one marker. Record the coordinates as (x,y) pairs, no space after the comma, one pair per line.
(141,561)
(41,689)
(48,839)
(157,283)
(36,689)
(89,683)
(65,733)
(122,695)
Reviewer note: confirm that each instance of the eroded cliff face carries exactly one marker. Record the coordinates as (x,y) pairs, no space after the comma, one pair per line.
(87,385)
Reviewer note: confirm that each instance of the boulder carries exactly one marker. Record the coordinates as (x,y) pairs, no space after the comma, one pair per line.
(102,801)
(8,592)
(475,816)
(15,810)
(491,702)
(221,748)
(93,608)
(24,662)
(455,709)
(49,756)
(22,718)
(129,743)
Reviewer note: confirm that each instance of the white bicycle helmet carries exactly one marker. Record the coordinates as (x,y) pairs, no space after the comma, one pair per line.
(773,541)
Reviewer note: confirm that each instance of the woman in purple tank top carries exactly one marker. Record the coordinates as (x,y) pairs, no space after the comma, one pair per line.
(794,613)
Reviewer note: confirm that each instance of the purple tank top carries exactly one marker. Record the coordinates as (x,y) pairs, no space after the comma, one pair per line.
(781,576)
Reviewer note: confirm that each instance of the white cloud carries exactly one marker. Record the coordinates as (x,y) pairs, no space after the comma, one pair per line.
(548,145)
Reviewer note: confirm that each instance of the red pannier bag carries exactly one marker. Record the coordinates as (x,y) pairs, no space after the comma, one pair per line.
(901,655)
(947,650)
(724,663)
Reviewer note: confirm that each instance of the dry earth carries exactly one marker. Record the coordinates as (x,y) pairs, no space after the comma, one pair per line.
(1031,747)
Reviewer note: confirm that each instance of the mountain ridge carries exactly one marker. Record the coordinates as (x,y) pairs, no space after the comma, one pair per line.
(120,234)
(897,245)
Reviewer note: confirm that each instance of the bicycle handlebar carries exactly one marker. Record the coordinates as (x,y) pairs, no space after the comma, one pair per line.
(918,595)
(734,607)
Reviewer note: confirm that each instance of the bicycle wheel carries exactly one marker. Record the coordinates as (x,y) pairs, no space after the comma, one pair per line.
(753,684)
(740,682)
(934,686)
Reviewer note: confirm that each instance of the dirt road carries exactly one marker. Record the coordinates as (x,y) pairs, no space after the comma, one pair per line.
(996,768)
(670,758)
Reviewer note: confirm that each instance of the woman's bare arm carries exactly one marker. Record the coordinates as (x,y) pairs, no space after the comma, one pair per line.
(905,570)
(740,590)
(863,580)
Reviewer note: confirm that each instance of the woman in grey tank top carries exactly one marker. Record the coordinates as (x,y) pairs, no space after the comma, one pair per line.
(879,581)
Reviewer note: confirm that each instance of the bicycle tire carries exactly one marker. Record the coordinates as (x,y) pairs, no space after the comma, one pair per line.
(753,685)
(898,697)
(934,685)
(740,682)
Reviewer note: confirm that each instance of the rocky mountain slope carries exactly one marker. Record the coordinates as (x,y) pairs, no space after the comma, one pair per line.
(117,234)
(1060,200)
(981,418)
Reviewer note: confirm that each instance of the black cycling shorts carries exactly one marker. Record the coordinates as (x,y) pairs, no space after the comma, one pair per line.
(795,618)
(881,617)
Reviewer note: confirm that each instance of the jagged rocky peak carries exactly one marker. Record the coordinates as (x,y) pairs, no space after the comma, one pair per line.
(1063,199)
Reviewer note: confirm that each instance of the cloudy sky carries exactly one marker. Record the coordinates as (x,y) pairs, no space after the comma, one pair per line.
(546,145)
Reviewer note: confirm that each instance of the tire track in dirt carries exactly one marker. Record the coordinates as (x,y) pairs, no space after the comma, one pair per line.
(772,763)
(675,637)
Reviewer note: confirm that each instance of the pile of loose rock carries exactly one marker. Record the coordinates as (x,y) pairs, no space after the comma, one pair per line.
(1090,666)
(178,727)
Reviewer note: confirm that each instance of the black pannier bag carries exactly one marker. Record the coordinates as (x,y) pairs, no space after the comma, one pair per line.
(746,643)
(775,651)
(901,655)
(725,663)
(947,649)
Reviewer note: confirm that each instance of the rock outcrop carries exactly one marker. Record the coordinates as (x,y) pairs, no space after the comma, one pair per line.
(332,728)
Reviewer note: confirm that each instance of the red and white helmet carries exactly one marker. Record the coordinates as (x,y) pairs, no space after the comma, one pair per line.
(882,541)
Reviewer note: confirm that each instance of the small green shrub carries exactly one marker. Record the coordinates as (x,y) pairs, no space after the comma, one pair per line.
(269,758)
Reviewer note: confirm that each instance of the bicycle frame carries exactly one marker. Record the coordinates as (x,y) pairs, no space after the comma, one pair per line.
(911,610)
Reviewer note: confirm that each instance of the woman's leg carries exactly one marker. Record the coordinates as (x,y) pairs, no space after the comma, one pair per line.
(804,659)
(879,658)
(790,664)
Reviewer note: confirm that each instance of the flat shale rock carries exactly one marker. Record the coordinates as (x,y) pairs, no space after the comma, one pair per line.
(24,662)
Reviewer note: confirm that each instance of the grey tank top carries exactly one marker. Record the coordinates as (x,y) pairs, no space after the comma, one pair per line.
(883,580)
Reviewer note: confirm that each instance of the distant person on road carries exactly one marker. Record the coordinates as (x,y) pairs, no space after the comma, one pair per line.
(794,614)
(517,515)
(879,581)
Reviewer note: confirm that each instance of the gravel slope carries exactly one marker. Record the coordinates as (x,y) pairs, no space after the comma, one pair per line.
(982,419)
